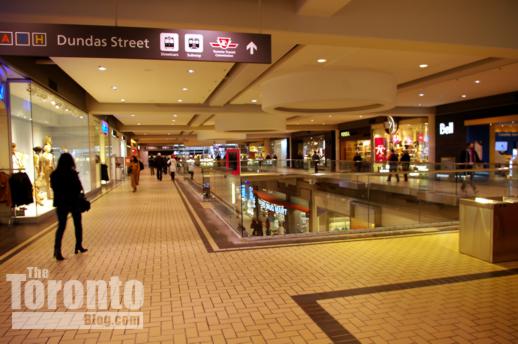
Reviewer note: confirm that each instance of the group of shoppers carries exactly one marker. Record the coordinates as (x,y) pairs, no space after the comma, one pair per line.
(394,161)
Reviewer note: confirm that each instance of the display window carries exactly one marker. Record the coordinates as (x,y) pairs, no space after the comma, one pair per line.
(411,135)
(505,143)
(314,144)
(43,126)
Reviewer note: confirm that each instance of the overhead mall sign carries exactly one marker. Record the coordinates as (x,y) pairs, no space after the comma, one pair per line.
(62,40)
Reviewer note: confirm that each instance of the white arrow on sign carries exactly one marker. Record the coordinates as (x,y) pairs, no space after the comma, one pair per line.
(251,47)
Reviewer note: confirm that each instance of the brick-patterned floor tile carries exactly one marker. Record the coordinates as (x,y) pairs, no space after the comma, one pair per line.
(193,296)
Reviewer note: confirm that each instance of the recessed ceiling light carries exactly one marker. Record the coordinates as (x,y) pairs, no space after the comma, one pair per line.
(173,120)
(477,81)
(330,116)
(190,71)
(81,117)
(180,100)
(115,88)
(361,116)
(175,115)
(421,94)
(123,100)
(138,123)
(420,104)
(67,110)
(463,96)
(132,115)
(102,68)
(423,65)
(312,120)
(321,60)
(53,102)
(57,106)
(185,89)
(254,100)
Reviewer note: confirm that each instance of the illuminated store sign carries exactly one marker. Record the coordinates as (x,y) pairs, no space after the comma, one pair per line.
(391,125)
(446,129)
(279,209)
(104,128)
(345,133)
(133,43)
(380,151)
(2,92)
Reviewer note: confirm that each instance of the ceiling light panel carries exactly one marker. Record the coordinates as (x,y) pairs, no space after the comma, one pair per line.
(169,79)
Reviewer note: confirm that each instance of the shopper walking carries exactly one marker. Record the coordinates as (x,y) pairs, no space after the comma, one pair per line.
(68,193)
(159,165)
(134,168)
(468,158)
(315,159)
(405,164)
(393,161)
(357,162)
(172,167)
(151,164)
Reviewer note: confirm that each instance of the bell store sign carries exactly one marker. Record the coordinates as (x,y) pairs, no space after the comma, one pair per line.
(38,302)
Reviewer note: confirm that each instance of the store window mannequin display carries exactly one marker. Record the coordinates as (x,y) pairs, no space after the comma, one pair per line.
(18,158)
(47,166)
(39,183)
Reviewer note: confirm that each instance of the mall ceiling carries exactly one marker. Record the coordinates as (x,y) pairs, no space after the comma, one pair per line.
(436,51)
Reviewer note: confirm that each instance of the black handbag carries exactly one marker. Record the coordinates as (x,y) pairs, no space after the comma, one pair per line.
(82,203)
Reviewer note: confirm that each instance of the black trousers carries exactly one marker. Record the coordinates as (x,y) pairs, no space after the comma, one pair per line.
(172,175)
(62,214)
(159,173)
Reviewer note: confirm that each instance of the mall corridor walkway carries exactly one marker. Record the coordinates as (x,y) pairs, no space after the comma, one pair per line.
(400,290)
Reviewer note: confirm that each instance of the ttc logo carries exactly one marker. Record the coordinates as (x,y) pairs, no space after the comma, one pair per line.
(224,43)
(23,39)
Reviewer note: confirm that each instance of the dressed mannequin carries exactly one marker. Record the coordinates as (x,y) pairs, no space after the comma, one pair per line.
(17,157)
(47,166)
(38,183)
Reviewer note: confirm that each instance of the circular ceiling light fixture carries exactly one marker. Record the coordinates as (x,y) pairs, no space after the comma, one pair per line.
(330,91)
(463,95)
(252,122)
(254,100)
(423,65)
(190,71)
(115,88)
(421,94)
(477,81)
(102,68)
(321,60)
(123,100)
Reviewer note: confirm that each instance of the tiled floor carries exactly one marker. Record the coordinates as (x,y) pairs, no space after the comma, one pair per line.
(246,296)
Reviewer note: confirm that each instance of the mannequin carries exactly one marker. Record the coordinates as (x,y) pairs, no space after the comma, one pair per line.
(47,166)
(37,171)
(18,158)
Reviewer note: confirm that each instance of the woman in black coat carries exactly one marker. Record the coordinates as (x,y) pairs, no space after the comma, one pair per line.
(67,191)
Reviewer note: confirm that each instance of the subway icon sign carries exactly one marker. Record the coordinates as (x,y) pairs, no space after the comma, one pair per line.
(23,39)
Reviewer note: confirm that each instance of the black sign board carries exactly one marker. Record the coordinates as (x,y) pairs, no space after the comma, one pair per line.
(133,43)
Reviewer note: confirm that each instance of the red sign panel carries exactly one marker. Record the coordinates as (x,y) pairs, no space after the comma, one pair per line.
(380,150)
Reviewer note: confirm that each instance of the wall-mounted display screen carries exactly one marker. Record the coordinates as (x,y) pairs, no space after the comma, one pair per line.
(501,146)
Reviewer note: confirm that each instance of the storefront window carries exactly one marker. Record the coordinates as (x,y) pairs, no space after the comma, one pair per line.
(43,126)
(314,144)
(412,136)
